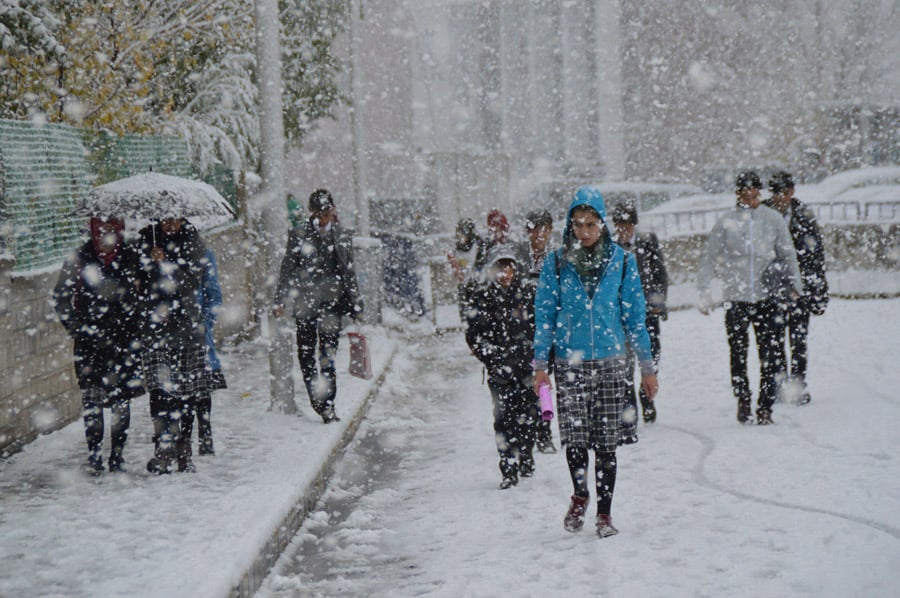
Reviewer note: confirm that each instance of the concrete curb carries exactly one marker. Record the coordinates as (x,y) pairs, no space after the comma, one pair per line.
(254,576)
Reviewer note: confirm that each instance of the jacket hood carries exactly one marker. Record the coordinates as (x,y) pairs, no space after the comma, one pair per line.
(586,195)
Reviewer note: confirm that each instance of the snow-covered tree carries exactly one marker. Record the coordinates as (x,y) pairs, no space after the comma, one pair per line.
(30,53)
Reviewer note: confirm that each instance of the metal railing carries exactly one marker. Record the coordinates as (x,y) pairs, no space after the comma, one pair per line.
(701,221)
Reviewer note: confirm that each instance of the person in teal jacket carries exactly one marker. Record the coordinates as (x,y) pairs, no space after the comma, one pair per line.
(589,308)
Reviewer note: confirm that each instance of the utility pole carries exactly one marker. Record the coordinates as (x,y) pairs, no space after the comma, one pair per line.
(268,208)
(356,124)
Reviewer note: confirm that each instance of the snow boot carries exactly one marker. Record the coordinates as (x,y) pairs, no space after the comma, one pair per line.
(804,398)
(162,460)
(95,464)
(206,446)
(764,417)
(574,520)
(605,527)
(526,464)
(745,411)
(116,461)
(185,464)
(649,413)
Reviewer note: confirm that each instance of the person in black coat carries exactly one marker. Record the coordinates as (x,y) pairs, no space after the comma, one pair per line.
(810,249)
(93,297)
(538,228)
(655,284)
(500,333)
(175,365)
(317,286)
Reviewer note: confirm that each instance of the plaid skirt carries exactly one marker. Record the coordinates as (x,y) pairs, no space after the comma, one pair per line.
(589,399)
(179,370)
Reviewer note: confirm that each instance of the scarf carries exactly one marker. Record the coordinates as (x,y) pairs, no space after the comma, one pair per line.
(590,263)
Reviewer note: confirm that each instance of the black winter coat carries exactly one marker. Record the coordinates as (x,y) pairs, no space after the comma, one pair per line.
(317,273)
(97,305)
(169,290)
(500,329)
(807,238)
(652,268)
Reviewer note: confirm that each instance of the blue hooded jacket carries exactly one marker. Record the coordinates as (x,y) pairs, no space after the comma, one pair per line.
(582,326)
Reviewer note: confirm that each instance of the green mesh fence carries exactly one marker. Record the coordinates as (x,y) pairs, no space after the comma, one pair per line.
(44,172)
(46,169)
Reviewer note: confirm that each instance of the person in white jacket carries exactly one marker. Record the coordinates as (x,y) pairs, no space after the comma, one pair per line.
(750,250)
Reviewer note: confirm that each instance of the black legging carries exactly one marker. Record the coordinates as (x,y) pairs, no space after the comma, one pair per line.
(604,469)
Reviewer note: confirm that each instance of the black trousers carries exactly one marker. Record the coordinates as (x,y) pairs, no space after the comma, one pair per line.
(768,321)
(629,417)
(92,402)
(515,423)
(322,332)
(798,330)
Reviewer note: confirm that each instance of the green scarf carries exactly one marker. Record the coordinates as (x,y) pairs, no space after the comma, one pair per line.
(590,263)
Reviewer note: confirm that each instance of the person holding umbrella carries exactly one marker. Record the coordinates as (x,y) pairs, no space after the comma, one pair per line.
(93,297)
(174,353)
(317,286)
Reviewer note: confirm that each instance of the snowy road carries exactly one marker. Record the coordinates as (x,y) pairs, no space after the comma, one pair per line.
(705,507)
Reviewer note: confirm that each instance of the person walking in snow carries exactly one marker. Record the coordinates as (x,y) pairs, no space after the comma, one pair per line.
(655,284)
(210,299)
(746,246)
(94,299)
(500,331)
(533,251)
(807,239)
(174,354)
(589,307)
(317,286)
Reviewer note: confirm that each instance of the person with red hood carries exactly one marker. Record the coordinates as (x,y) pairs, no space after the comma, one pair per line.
(94,298)
(498,233)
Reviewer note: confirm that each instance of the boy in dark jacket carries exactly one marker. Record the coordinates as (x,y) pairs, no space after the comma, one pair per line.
(317,286)
(655,284)
(94,300)
(810,249)
(500,332)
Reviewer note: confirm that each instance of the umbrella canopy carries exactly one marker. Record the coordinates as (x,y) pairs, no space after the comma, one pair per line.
(156,196)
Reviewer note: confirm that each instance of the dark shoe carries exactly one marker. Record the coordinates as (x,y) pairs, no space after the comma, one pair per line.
(605,527)
(328,416)
(804,399)
(117,465)
(526,468)
(745,411)
(206,447)
(186,465)
(650,414)
(162,461)
(574,520)
(159,466)
(546,447)
(95,465)
(628,439)
(508,482)
(764,417)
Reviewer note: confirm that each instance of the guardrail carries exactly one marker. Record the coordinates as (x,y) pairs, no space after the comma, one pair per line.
(690,222)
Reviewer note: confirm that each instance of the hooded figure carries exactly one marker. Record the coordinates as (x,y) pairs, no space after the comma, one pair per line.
(500,328)
(589,308)
(94,298)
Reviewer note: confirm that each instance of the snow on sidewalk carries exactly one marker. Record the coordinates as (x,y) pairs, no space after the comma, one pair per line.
(64,533)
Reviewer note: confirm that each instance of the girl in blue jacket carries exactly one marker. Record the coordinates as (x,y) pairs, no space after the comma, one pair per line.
(589,307)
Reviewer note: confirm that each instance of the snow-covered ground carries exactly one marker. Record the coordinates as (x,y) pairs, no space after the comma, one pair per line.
(705,507)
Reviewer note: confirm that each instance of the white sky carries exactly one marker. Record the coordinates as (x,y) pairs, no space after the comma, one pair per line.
(705,507)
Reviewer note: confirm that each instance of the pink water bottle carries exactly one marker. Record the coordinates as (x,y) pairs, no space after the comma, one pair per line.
(546,402)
